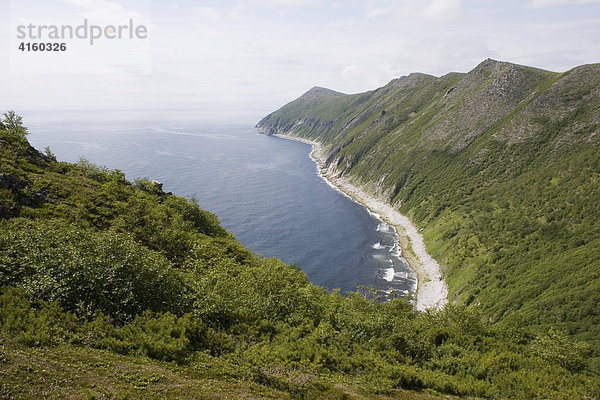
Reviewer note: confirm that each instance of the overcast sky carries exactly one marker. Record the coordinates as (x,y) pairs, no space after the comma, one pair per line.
(235,61)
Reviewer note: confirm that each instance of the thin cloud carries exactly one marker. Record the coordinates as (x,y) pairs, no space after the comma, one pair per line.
(105,11)
(556,3)
(375,12)
(289,3)
(349,69)
(205,13)
(443,10)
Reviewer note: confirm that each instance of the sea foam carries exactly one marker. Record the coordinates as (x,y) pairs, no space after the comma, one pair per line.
(378,246)
(388,274)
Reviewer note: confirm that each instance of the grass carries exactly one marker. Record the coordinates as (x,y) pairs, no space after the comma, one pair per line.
(73,372)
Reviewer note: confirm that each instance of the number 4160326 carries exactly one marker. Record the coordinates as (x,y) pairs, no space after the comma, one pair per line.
(42,46)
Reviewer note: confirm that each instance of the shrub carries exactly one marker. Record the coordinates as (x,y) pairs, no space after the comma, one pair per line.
(85,270)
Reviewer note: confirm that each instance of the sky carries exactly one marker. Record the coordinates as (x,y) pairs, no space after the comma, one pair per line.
(234,61)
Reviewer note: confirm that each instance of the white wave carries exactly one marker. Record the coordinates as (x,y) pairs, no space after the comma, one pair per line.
(383,227)
(388,274)
(374,214)
(396,250)
(378,246)
(401,275)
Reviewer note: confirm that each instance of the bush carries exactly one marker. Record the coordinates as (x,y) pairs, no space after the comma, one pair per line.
(163,337)
(34,324)
(556,347)
(85,270)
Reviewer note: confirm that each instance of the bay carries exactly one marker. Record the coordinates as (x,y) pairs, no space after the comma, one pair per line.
(265,190)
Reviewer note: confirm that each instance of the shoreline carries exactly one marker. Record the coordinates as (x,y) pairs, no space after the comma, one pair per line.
(431,291)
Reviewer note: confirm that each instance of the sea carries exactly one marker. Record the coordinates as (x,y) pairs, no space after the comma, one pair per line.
(265,190)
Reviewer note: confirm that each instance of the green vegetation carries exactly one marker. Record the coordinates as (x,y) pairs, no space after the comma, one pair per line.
(500,166)
(113,289)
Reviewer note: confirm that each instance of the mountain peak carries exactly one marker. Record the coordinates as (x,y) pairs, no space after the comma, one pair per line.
(321,91)
(490,64)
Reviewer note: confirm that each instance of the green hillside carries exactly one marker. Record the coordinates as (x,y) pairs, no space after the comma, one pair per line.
(112,289)
(500,166)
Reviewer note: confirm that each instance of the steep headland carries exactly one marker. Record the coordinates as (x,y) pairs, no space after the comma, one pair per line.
(500,169)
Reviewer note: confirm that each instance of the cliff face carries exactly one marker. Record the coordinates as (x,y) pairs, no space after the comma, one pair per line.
(501,167)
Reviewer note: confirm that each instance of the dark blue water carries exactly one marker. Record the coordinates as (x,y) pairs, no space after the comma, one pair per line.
(265,190)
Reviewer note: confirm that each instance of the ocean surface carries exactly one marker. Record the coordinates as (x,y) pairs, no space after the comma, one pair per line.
(266,190)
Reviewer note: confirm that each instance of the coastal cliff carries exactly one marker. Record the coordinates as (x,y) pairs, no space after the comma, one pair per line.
(498,168)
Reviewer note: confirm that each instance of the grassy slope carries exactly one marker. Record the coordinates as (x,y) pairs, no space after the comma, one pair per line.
(72,372)
(69,372)
(501,168)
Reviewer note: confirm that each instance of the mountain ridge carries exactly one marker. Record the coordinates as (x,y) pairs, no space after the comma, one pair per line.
(498,165)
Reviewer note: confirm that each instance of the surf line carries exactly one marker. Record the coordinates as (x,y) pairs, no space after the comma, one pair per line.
(431,291)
